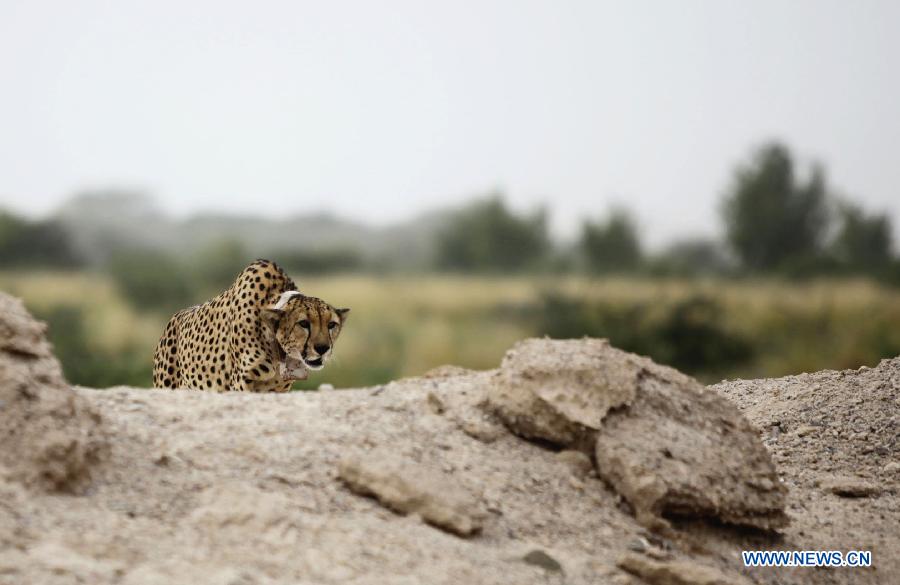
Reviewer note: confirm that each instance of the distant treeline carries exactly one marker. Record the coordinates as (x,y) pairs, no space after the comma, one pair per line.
(775,222)
(41,244)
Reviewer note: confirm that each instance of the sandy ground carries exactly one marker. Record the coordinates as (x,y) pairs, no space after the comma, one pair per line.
(234,489)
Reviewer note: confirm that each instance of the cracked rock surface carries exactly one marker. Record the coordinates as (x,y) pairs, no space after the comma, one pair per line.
(662,440)
(410,488)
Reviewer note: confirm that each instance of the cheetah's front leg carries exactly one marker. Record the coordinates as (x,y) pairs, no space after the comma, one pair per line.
(255,374)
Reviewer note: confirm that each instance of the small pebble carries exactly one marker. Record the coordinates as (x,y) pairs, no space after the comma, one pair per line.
(542,560)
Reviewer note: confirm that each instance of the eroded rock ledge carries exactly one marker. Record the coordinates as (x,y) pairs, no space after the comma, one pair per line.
(50,437)
(666,443)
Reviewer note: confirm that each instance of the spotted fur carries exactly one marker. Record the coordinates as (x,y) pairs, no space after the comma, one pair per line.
(247,338)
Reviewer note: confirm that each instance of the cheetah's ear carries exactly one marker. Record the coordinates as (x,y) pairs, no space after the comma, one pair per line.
(342,313)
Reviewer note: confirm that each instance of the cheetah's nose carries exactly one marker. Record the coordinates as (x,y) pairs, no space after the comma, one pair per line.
(322,348)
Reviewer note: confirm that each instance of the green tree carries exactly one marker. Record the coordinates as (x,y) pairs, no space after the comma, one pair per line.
(863,242)
(487,237)
(612,245)
(691,257)
(87,364)
(151,280)
(773,220)
(35,244)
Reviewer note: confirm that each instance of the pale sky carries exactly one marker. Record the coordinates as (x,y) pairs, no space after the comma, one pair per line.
(380,110)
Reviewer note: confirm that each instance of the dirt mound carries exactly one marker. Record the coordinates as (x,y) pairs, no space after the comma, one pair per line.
(236,489)
(829,420)
(668,445)
(836,437)
(51,436)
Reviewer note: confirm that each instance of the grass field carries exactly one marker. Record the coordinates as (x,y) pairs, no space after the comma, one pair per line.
(403,326)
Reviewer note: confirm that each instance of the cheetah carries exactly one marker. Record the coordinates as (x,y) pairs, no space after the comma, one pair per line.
(258,336)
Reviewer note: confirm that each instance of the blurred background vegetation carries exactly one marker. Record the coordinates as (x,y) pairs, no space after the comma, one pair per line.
(799,280)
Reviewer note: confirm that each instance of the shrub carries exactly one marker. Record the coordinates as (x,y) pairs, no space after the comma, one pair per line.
(151,280)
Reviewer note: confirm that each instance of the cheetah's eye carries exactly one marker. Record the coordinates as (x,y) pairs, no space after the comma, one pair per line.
(304,323)
(332,325)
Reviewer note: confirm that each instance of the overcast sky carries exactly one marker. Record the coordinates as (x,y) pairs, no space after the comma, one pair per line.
(380,110)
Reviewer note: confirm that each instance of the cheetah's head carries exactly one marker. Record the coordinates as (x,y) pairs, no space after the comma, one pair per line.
(305,328)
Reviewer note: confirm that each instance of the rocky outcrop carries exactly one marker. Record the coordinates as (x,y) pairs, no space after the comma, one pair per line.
(51,437)
(662,440)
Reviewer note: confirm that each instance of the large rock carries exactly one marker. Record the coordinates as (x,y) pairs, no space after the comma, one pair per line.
(560,391)
(662,440)
(51,437)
